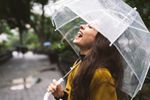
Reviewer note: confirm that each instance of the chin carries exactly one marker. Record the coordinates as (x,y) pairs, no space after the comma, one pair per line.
(76,42)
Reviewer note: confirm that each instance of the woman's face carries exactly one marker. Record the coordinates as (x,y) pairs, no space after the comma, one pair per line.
(86,36)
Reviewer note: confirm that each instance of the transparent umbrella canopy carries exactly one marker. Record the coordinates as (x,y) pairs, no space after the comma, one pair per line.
(120,24)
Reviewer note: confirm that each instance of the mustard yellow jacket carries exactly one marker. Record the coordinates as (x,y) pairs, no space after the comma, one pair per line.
(102,84)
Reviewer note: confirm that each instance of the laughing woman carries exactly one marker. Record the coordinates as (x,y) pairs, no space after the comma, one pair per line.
(98,74)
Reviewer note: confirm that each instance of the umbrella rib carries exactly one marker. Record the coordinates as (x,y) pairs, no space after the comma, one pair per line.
(69,43)
(141,82)
(126,17)
(138,29)
(65,36)
(66,22)
(61,2)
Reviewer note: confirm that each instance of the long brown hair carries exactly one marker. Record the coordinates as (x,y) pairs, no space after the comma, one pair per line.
(101,55)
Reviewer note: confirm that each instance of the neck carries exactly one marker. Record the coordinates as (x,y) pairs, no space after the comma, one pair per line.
(85,51)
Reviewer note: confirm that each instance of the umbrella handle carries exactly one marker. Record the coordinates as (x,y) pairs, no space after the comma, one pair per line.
(47,94)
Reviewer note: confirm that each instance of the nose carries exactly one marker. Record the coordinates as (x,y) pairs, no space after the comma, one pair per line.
(82,26)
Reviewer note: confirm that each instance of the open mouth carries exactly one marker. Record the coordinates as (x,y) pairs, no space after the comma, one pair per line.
(80,34)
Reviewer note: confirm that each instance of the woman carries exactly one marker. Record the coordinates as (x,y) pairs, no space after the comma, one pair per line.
(99,72)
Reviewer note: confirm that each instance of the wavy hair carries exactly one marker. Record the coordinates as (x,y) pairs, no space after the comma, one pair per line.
(101,55)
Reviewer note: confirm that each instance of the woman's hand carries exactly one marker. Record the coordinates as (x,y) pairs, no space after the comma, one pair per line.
(56,89)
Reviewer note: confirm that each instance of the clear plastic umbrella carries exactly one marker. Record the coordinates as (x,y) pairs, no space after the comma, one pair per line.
(120,24)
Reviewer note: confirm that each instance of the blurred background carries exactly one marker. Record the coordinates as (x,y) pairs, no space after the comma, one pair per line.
(32,53)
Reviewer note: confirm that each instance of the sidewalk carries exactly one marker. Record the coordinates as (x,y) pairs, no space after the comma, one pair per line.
(26,78)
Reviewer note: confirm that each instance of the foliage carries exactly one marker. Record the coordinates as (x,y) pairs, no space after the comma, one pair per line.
(46,32)
(4,27)
(31,40)
(58,46)
(15,15)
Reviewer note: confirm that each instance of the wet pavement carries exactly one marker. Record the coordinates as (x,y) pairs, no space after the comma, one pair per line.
(26,77)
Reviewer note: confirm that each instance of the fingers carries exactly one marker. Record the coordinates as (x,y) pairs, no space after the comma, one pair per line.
(55,82)
(53,86)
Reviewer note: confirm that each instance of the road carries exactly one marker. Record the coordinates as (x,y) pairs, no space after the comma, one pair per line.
(26,77)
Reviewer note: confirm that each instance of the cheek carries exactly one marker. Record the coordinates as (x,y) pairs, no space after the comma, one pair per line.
(91,40)
(88,40)
(91,37)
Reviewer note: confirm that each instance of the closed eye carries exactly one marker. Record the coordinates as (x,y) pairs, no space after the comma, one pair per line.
(90,26)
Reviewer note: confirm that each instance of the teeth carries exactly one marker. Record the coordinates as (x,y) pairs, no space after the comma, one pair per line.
(80,34)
